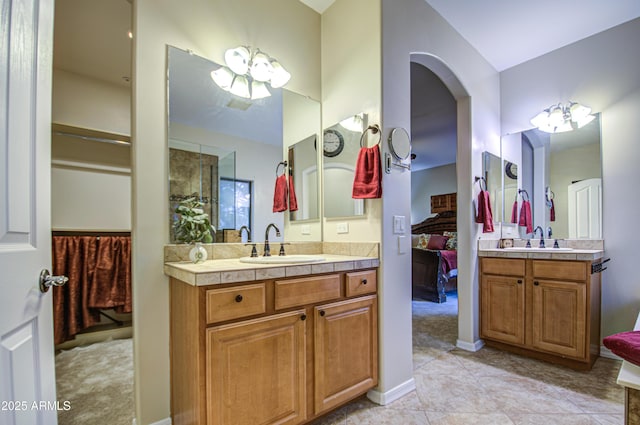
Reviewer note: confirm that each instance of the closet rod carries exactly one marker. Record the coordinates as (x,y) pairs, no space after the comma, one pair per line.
(91,135)
(93,139)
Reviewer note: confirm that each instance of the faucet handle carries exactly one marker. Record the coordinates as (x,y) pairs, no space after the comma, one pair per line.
(282,244)
(254,251)
(542,242)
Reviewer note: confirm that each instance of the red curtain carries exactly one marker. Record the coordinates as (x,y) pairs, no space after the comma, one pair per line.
(99,272)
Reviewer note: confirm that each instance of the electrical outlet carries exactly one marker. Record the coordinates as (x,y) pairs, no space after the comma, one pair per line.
(306,229)
(342,227)
(401,246)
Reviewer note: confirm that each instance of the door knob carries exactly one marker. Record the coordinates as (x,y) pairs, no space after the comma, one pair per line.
(47,281)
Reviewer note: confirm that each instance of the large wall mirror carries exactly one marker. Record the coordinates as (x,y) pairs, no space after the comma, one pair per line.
(228,150)
(340,148)
(562,175)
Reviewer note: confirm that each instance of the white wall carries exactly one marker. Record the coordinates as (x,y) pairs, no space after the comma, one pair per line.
(426,183)
(286,29)
(85,102)
(90,181)
(412,29)
(351,83)
(601,72)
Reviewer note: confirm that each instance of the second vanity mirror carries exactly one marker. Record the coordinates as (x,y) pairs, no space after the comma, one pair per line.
(562,175)
(340,148)
(228,150)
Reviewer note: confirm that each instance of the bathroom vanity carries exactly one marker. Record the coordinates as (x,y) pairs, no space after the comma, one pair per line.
(266,344)
(542,304)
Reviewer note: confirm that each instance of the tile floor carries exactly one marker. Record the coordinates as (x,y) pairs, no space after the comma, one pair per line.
(488,387)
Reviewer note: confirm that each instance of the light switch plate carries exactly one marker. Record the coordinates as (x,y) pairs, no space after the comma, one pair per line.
(342,227)
(398,224)
(306,229)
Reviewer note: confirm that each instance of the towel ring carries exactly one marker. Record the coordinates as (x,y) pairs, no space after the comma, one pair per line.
(375,129)
(284,167)
(482,182)
(523,193)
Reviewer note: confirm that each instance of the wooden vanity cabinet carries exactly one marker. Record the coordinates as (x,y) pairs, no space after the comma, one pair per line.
(549,309)
(281,351)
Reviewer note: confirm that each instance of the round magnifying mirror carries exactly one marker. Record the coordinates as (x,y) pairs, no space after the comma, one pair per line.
(400,143)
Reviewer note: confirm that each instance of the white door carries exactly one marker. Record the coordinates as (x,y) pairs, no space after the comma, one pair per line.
(585,209)
(27,377)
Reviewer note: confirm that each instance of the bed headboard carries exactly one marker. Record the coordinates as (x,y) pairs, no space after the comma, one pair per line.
(443,222)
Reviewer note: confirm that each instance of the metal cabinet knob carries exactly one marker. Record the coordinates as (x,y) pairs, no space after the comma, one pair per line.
(520,281)
(322,313)
(303,317)
(47,281)
(238,298)
(364,281)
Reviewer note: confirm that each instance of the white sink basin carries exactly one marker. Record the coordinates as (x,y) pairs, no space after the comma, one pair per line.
(285,259)
(532,249)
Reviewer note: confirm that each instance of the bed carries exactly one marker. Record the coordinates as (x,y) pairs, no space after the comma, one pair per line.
(434,271)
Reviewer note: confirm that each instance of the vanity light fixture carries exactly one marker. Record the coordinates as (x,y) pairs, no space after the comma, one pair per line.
(354,123)
(560,118)
(248,72)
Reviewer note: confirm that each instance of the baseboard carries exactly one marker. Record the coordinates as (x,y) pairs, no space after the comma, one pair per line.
(605,352)
(165,421)
(470,346)
(393,394)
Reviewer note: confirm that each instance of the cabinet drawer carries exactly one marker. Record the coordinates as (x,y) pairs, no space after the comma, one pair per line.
(308,290)
(503,266)
(235,302)
(560,270)
(359,283)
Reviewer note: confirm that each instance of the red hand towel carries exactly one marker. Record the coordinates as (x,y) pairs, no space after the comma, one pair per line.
(280,194)
(293,202)
(552,213)
(485,215)
(625,345)
(514,212)
(525,216)
(367,181)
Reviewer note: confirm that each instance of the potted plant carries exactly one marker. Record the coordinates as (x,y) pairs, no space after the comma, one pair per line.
(193,226)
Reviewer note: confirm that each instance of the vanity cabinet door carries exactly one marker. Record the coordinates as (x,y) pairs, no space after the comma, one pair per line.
(559,317)
(256,371)
(345,351)
(502,313)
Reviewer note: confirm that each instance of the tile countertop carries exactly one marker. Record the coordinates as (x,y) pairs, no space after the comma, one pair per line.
(575,254)
(221,271)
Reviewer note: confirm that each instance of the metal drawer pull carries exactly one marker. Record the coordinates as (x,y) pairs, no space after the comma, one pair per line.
(536,283)
(321,312)
(519,281)
(364,281)
(47,281)
(238,298)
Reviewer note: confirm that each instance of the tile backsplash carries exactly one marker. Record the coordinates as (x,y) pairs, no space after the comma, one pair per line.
(180,252)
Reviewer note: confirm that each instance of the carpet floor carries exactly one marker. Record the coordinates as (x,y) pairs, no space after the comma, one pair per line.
(98,382)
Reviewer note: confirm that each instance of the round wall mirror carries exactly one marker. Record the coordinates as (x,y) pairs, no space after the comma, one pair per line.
(400,143)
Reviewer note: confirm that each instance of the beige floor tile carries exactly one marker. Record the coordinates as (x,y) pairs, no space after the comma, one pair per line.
(609,419)
(542,419)
(444,418)
(381,416)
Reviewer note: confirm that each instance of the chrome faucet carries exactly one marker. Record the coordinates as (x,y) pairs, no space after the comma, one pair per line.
(267,249)
(248,233)
(541,235)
